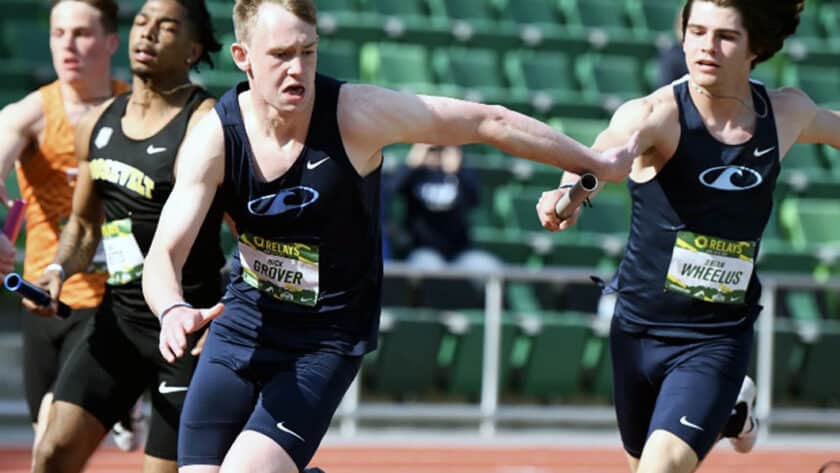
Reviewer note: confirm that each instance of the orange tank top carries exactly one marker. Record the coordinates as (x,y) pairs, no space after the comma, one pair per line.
(47,176)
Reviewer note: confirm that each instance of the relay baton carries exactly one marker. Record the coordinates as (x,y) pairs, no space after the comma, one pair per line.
(572,199)
(15,283)
(14,219)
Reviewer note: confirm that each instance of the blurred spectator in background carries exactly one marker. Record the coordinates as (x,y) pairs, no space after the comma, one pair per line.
(672,60)
(438,193)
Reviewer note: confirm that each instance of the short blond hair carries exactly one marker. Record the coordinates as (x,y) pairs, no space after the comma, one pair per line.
(245,14)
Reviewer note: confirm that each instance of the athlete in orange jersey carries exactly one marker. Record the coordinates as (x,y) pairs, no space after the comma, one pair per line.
(37,133)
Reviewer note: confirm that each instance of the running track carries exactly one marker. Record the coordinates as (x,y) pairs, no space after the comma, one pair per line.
(367,459)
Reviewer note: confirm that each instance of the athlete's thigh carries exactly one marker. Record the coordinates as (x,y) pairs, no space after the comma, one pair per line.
(104,374)
(296,405)
(700,388)
(217,405)
(74,333)
(633,392)
(40,360)
(258,453)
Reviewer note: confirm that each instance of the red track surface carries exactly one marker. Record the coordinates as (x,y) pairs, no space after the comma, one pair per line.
(367,459)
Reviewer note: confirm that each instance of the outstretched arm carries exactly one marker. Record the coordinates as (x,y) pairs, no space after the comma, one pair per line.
(199,172)
(81,235)
(638,122)
(371,117)
(17,131)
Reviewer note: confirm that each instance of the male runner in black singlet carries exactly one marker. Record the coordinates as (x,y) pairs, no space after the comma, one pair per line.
(127,149)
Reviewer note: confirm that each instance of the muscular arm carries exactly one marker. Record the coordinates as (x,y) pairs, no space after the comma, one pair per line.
(81,235)
(200,170)
(372,117)
(17,130)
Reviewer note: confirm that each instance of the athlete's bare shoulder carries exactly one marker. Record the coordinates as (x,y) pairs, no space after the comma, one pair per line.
(205,106)
(795,114)
(790,102)
(24,116)
(84,128)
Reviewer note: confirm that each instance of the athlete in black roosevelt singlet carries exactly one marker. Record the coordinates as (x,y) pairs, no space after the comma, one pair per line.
(127,152)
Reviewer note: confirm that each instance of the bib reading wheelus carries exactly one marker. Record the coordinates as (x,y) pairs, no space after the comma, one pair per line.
(122,254)
(711,269)
(283,270)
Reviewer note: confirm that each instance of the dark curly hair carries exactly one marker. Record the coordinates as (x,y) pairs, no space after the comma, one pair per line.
(202,25)
(768,22)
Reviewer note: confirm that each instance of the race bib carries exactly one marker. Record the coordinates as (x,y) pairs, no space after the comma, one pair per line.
(283,270)
(710,269)
(122,254)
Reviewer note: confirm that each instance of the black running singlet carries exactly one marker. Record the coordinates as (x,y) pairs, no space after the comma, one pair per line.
(688,270)
(134,178)
(310,254)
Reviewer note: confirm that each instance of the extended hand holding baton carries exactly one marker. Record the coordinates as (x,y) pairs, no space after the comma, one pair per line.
(15,283)
(579,193)
(14,220)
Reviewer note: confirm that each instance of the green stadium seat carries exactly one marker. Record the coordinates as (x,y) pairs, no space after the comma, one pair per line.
(410,338)
(609,214)
(621,77)
(464,372)
(409,21)
(820,382)
(478,73)
(339,59)
(473,22)
(809,34)
(821,83)
(583,130)
(511,246)
(811,222)
(598,373)
(781,256)
(788,358)
(553,366)
(805,158)
(548,78)
(397,65)
(654,16)
(577,250)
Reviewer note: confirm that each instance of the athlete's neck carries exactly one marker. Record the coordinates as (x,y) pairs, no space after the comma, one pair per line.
(724,104)
(281,126)
(149,95)
(91,91)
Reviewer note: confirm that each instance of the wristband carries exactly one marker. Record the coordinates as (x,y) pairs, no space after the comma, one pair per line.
(173,306)
(55,267)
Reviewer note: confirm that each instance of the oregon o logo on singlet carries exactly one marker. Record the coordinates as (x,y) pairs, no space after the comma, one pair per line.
(293,198)
(731,178)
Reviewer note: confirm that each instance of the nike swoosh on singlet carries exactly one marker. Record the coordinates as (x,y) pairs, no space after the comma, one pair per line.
(164,389)
(310,165)
(289,431)
(762,152)
(152,149)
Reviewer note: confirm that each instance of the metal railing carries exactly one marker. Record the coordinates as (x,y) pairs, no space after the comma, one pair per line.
(488,411)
